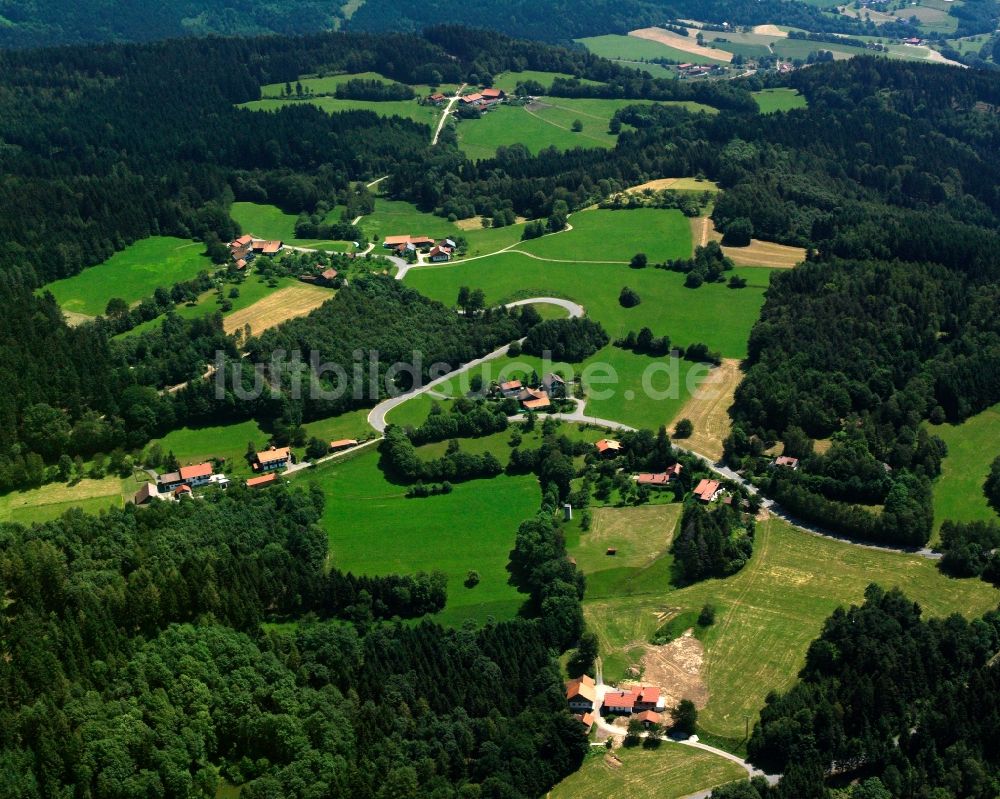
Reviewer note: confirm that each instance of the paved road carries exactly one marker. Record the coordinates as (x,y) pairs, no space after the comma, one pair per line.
(376,418)
(298,467)
(445,114)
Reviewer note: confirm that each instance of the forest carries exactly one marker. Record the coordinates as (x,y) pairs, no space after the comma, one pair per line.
(134,662)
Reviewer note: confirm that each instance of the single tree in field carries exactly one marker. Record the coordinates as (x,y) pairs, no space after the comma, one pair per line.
(683,429)
(639,261)
(577,126)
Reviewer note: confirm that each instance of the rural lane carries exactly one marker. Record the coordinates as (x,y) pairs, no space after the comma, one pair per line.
(446,113)
(376,418)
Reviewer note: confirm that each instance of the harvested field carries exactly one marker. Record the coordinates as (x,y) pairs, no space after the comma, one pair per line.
(759,253)
(274,309)
(676,669)
(476,223)
(770,30)
(73,319)
(675,184)
(685,43)
(708,409)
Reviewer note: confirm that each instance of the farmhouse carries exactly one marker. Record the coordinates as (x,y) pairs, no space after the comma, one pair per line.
(196,475)
(271,459)
(267,247)
(554,385)
(241,247)
(581,694)
(649,718)
(659,479)
(440,254)
(586,719)
(607,448)
(620,702)
(540,404)
(437,99)
(511,388)
(493,94)
(263,480)
(787,460)
(342,444)
(707,490)
(475,99)
(403,243)
(648,698)
(241,264)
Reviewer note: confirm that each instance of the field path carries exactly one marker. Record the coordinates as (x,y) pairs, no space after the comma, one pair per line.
(446,113)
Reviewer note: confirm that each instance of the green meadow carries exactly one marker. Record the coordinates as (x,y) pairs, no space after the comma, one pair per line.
(548,123)
(270,222)
(374,529)
(771,100)
(767,614)
(50,501)
(508,80)
(632,48)
(131,274)
(958,492)
(407,109)
(328,84)
(672,770)
(197,444)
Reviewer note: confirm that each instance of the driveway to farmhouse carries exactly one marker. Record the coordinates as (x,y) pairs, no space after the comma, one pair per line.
(447,112)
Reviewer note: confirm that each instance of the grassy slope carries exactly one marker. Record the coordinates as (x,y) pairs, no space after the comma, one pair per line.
(672,770)
(52,500)
(408,109)
(375,529)
(131,274)
(771,100)
(958,493)
(770,611)
(268,221)
(329,83)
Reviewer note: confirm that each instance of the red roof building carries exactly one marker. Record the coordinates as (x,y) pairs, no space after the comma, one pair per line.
(706,490)
(344,443)
(649,718)
(581,694)
(197,473)
(263,480)
(608,448)
(648,698)
(182,491)
(622,702)
(787,460)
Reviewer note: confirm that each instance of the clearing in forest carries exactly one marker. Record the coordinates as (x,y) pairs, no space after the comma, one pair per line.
(708,409)
(758,253)
(676,184)
(686,43)
(769,612)
(276,308)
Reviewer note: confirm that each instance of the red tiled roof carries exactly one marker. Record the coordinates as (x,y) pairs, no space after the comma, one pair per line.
(241,264)
(263,480)
(145,492)
(492,92)
(606,445)
(272,455)
(620,699)
(182,489)
(343,442)
(649,717)
(582,686)
(392,241)
(648,479)
(536,404)
(196,471)
(510,385)
(786,460)
(649,695)
(271,247)
(472,98)
(328,274)
(706,488)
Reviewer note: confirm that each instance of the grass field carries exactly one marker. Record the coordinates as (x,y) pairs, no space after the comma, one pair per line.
(768,613)
(407,109)
(632,48)
(276,307)
(252,290)
(670,772)
(708,410)
(270,222)
(196,444)
(714,314)
(548,123)
(131,274)
(374,529)
(792,49)
(771,100)
(508,80)
(329,83)
(52,500)
(958,493)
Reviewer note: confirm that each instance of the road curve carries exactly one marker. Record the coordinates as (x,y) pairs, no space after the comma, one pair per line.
(376,417)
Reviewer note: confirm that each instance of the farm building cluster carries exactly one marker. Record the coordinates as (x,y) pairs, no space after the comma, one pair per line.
(484,99)
(436,251)
(586,702)
(533,398)
(244,249)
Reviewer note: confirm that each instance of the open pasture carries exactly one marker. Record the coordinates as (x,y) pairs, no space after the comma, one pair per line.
(53,499)
(769,612)
(270,222)
(771,100)
(669,772)
(131,274)
(958,492)
(374,529)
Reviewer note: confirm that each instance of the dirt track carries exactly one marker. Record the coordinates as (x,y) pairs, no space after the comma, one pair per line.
(274,309)
(678,42)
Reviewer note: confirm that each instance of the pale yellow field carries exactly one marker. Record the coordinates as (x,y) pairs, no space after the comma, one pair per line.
(51,500)
(759,253)
(677,184)
(685,43)
(708,410)
(276,308)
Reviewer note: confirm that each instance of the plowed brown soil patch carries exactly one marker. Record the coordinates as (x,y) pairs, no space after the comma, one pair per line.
(675,668)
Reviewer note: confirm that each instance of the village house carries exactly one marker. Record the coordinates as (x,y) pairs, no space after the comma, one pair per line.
(262,247)
(649,718)
(620,703)
(511,388)
(659,479)
(342,444)
(554,385)
(475,99)
(240,248)
(182,491)
(493,95)
(581,694)
(648,698)
(402,244)
(788,461)
(196,475)
(262,480)
(707,490)
(532,399)
(607,448)
(271,459)
(440,253)
(241,264)
(437,99)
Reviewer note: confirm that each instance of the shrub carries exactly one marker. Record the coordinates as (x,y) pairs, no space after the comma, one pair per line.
(628,298)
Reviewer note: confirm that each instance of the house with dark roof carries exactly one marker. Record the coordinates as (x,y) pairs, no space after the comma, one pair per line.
(554,385)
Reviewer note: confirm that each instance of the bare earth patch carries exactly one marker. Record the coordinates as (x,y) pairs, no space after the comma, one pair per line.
(770,30)
(74,319)
(759,253)
(685,43)
(708,409)
(676,669)
(286,303)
